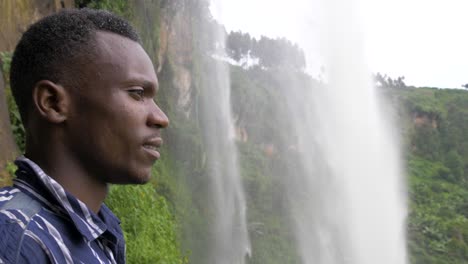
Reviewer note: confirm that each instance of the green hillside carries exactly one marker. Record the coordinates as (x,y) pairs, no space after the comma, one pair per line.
(436,136)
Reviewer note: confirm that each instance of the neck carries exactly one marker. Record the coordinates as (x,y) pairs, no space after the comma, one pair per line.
(68,173)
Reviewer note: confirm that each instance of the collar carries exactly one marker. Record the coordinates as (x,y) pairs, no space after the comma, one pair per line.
(33,180)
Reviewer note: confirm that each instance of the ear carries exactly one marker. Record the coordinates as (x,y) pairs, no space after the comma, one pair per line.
(51,101)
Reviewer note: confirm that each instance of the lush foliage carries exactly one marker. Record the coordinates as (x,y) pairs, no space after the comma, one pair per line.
(120,7)
(436,130)
(438,223)
(148,224)
(16,125)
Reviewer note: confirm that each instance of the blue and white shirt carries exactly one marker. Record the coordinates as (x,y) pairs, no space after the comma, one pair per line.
(61,229)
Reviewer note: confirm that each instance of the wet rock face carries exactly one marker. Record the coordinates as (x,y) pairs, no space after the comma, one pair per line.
(176,52)
(17,15)
(422,119)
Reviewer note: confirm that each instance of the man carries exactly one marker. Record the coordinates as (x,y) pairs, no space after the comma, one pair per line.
(84,87)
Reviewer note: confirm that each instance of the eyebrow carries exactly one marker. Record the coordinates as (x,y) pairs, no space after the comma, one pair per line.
(150,85)
(144,83)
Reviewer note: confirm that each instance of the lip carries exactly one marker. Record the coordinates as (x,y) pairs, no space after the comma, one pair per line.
(152,152)
(151,147)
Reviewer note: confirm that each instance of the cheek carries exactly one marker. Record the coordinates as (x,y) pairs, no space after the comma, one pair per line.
(120,138)
(110,134)
(97,126)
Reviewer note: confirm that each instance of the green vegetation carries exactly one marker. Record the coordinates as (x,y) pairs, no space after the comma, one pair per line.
(438,223)
(272,242)
(119,7)
(149,226)
(436,130)
(16,125)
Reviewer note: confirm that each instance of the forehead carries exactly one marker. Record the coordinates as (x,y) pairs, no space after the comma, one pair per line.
(109,42)
(119,57)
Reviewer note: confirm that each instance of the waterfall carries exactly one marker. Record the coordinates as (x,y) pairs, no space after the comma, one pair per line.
(351,200)
(344,181)
(230,242)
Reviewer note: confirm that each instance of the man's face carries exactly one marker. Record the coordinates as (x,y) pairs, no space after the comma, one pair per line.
(114,125)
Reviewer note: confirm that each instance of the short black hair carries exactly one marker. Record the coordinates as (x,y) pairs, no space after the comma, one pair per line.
(51,46)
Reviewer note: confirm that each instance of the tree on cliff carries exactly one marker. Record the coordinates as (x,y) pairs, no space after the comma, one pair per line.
(388,82)
(271,53)
(239,44)
(279,52)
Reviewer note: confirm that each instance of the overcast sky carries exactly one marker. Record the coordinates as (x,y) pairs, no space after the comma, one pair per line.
(424,40)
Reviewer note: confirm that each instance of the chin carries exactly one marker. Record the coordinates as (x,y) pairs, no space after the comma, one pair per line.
(136,177)
(137,181)
(143,180)
(140,178)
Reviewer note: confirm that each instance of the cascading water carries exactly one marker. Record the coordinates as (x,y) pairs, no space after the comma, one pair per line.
(230,241)
(347,205)
(344,183)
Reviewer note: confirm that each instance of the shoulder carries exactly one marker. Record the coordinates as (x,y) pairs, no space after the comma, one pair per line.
(17,207)
(19,244)
(6,193)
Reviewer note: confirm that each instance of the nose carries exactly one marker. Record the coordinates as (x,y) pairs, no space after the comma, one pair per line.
(156,117)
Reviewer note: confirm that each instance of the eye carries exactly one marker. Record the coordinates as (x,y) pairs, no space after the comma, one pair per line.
(136,93)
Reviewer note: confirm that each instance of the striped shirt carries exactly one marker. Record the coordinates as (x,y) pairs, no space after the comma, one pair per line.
(60,229)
